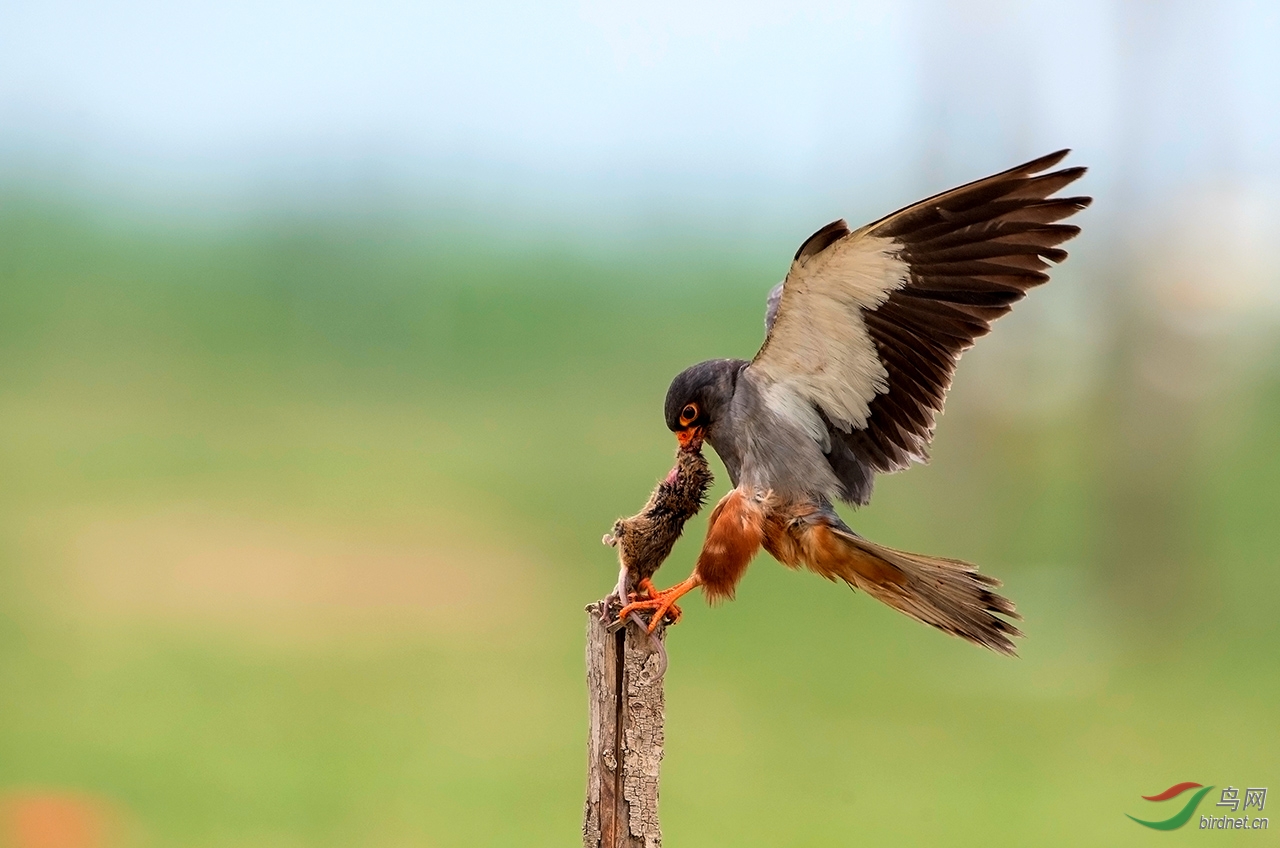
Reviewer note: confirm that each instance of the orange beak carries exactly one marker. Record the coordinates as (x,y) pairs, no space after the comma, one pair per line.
(690,438)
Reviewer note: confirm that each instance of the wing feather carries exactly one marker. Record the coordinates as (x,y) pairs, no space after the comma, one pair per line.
(868,325)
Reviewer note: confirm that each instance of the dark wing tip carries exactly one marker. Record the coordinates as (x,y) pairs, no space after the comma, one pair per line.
(1046,161)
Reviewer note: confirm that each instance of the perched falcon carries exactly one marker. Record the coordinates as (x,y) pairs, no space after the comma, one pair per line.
(862,340)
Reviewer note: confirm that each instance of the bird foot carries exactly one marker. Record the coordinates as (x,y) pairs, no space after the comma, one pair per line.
(662,603)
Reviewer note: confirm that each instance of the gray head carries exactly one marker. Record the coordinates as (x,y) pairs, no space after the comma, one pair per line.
(699,397)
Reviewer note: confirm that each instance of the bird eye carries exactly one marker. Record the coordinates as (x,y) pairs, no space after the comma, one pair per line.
(689,413)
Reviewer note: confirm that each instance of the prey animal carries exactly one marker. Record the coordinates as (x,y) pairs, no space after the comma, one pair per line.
(645,539)
(862,340)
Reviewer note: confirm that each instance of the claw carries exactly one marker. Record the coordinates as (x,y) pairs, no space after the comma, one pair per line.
(663,603)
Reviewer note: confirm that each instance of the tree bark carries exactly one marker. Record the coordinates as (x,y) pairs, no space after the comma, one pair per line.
(624,746)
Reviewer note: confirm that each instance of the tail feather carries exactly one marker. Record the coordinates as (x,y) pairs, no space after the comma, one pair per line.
(949,594)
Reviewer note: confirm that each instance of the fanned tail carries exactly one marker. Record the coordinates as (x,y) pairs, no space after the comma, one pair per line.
(949,594)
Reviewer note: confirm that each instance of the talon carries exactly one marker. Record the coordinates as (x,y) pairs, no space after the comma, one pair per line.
(663,603)
(654,593)
(654,604)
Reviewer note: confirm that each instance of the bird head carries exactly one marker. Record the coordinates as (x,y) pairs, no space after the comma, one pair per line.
(699,397)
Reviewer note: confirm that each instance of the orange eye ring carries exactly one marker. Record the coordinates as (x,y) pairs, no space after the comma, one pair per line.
(689,414)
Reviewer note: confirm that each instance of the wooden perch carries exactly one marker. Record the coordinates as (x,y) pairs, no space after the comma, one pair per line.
(624,748)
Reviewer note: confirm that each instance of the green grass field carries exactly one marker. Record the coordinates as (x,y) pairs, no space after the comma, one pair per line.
(298,519)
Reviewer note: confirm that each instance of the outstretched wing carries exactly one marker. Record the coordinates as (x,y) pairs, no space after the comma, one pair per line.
(870,324)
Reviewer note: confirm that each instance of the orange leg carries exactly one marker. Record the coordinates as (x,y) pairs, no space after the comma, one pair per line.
(661,602)
(651,591)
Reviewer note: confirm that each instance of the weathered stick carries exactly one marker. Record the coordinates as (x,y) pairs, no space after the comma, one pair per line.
(624,748)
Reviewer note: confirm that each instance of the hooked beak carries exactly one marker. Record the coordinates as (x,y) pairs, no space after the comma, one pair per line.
(690,438)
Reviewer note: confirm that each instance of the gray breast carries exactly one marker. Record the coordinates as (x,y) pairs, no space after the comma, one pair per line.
(764,449)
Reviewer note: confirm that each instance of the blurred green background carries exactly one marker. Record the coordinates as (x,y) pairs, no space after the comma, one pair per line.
(305,471)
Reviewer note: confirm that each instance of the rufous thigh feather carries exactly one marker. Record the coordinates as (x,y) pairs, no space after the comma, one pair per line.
(734,534)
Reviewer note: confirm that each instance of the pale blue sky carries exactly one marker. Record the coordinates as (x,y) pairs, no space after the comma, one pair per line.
(693,105)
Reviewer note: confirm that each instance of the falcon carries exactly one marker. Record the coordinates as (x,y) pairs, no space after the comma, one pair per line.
(862,340)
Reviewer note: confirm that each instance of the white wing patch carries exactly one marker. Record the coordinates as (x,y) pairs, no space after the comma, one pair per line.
(819,350)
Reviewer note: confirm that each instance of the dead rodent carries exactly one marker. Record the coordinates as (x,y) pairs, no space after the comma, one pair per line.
(645,539)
